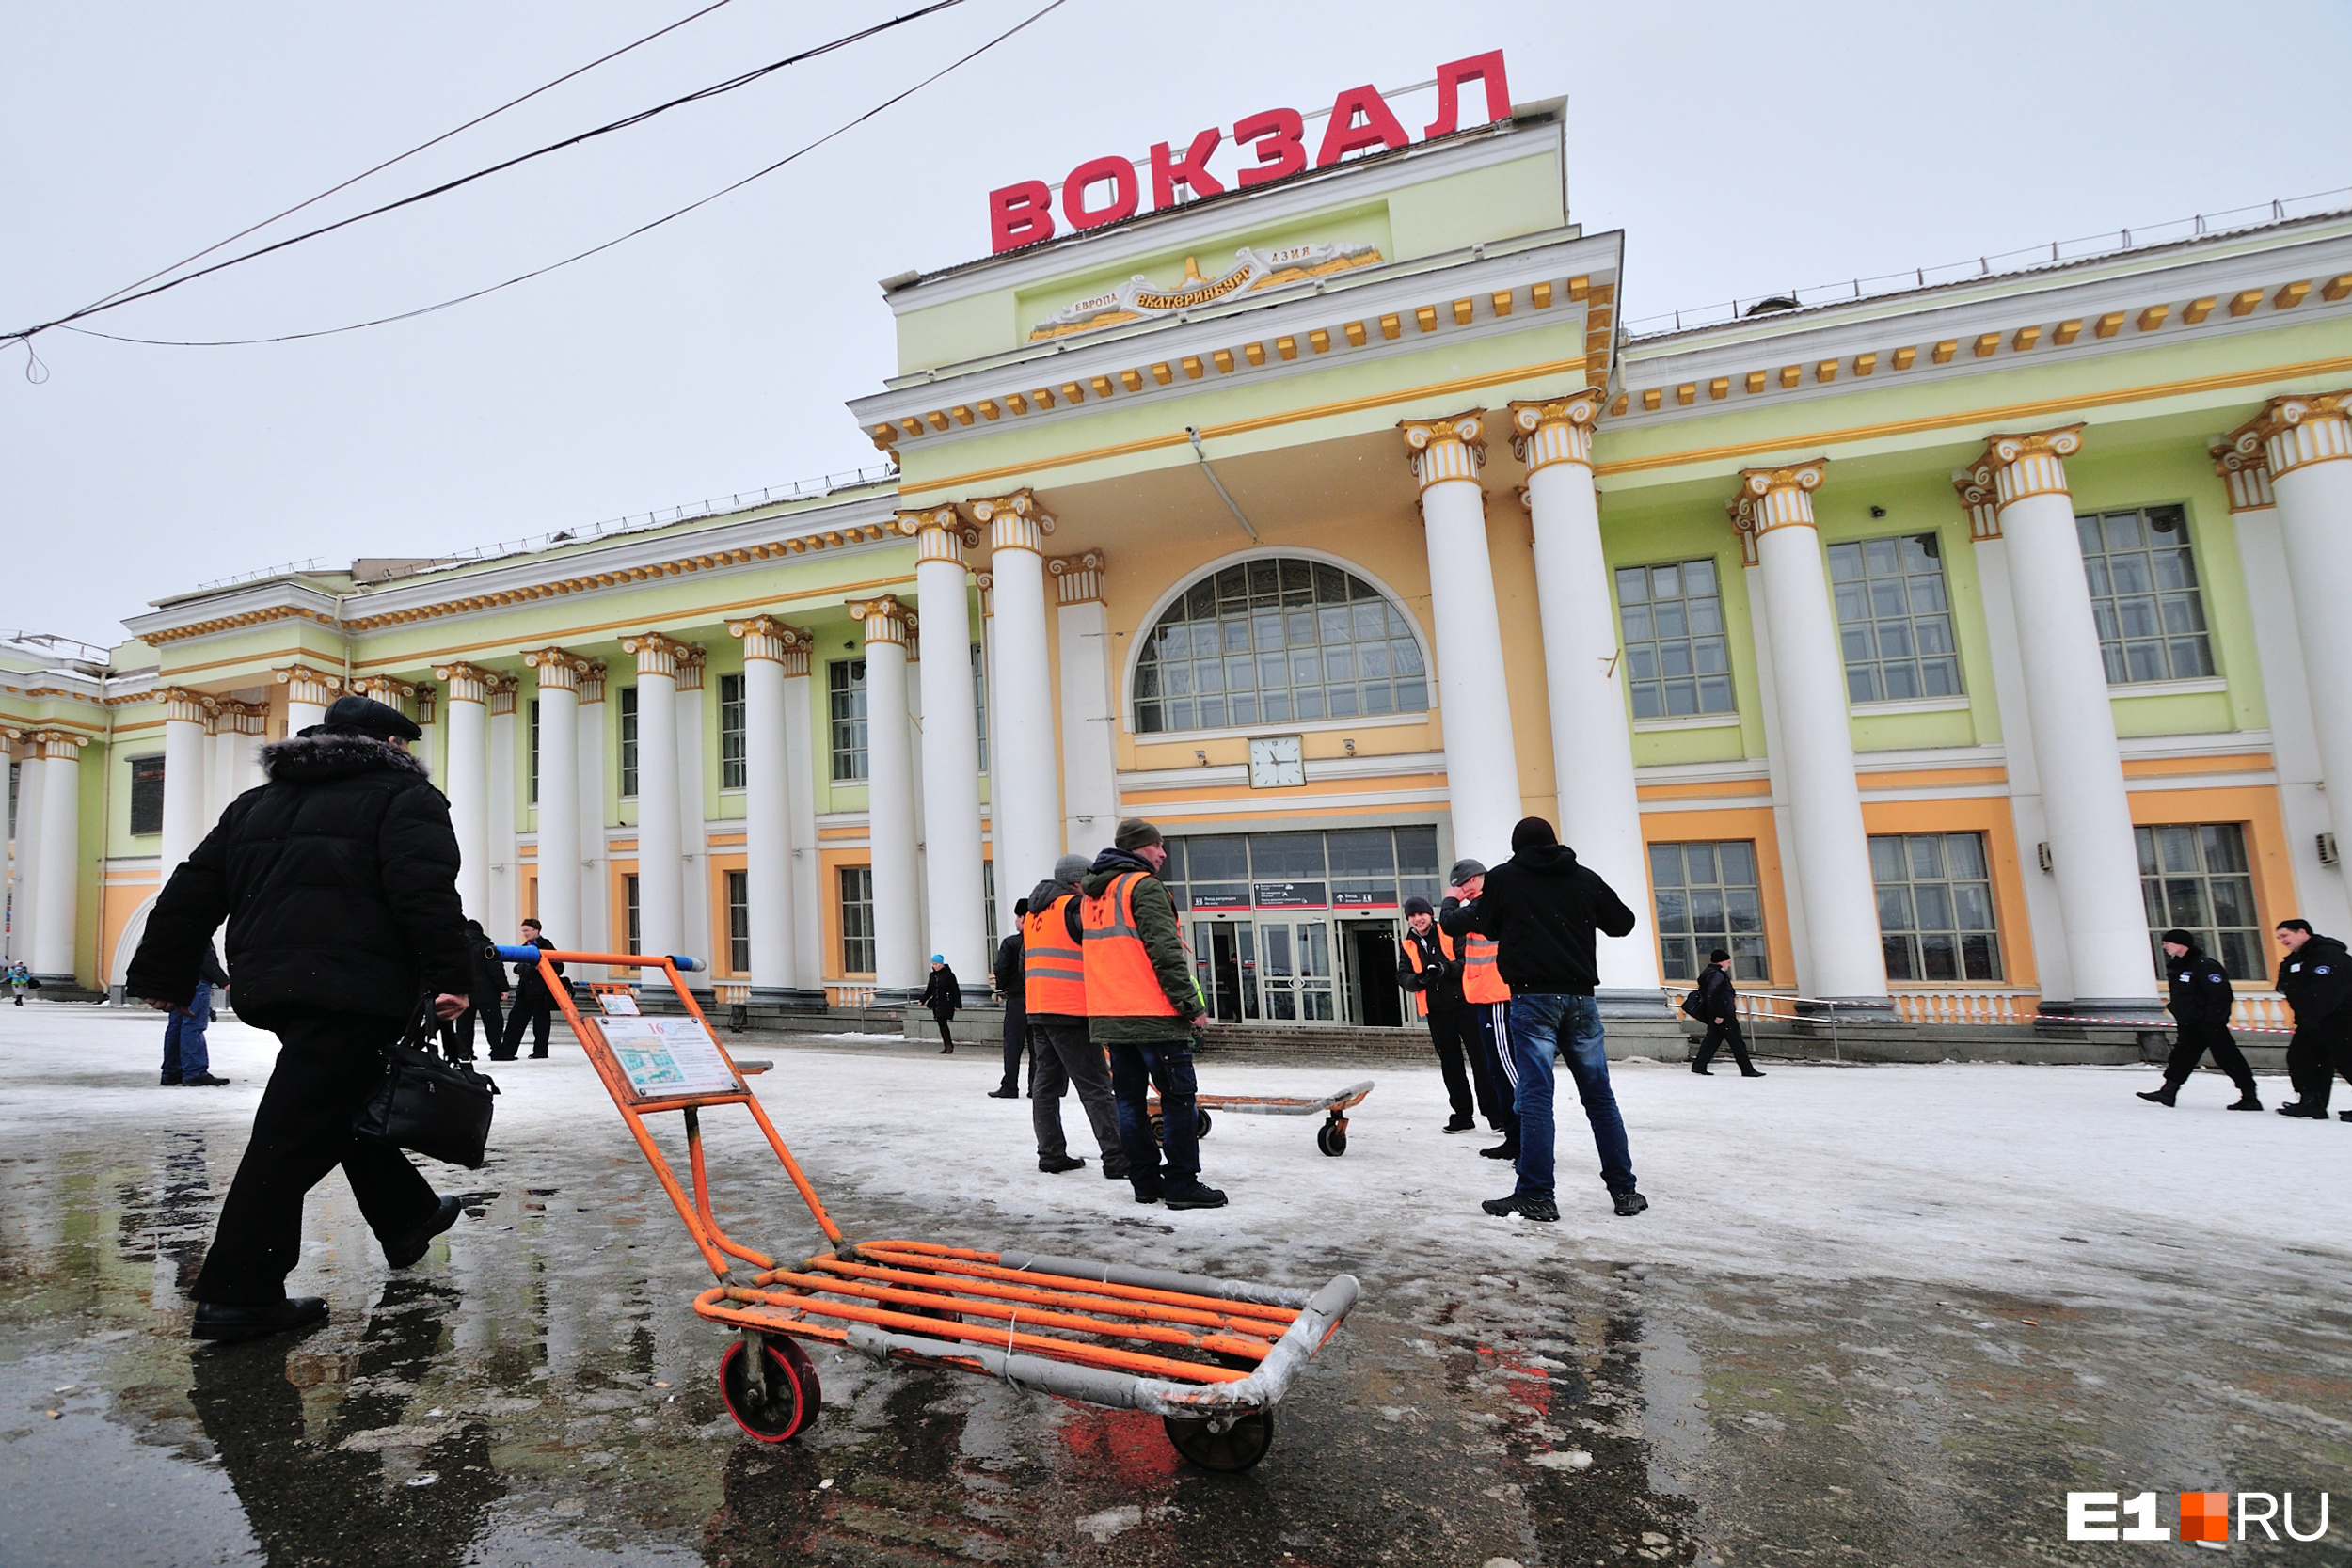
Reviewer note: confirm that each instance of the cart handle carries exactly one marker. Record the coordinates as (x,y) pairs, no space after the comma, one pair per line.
(620,960)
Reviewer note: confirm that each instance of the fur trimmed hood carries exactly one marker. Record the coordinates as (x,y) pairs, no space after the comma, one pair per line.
(316,758)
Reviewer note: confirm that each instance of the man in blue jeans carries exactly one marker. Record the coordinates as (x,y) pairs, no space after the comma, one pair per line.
(1543,909)
(188,1058)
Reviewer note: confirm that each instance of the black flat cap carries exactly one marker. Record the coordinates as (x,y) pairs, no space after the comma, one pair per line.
(366,716)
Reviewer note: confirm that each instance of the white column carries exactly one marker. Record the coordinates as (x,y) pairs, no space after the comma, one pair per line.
(252,733)
(801,753)
(660,883)
(2094,860)
(952,744)
(1828,850)
(1481,762)
(2307,443)
(308,694)
(1025,788)
(591,766)
(465,780)
(505,786)
(899,951)
(32,782)
(1089,715)
(559,793)
(1777,764)
(187,776)
(60,886)
(693,809)
(767,837)
(1592,730)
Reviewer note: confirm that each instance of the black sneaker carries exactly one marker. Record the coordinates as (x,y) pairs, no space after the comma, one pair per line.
(1501,1151)
(408,1248)
(217,1322)
(1195,1196)
(1630,1203)
(1539,1208)
(1054,1164)
(1003,1094)
(1461,1124)
(202,1081)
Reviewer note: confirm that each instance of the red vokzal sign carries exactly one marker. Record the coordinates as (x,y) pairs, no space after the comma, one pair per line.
(1023,213)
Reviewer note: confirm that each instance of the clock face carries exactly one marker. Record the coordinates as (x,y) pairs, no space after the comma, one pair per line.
(1276,762)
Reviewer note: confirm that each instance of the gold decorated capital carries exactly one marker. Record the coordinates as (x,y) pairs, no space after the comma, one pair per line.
(1556,430)
(305,685)
(2016,468)
(558,669)
(2302,429)
(657,654)
(1451,448)
(1977,499)
(885,620)
(467,682)
(1770,499)
(765,637)
(1015,522)
(2242,462)
(1077,579)
(182,705)
(383,688)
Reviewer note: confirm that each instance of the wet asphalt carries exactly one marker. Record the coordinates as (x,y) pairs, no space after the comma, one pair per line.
(539,1391)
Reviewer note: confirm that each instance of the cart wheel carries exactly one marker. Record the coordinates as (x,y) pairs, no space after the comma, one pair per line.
(1200,1128)
(779,1406)
(1331,1138)
(1159,1128)
(1229,1452)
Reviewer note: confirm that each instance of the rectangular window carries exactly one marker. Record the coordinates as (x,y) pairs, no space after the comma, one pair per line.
(535,751)
(2197,876)
(730,732)
(845,697)
(1936,907)
(857,920)
(1709,897)
(988,902)
(980,701)
(629,744)
(1894,619)
(629,897)
(2144,595)
(739,923)
(1677,659)
(146,794)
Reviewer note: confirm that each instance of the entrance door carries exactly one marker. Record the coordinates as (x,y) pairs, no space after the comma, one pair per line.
(1224,960)
(1369,954)
(1294,978)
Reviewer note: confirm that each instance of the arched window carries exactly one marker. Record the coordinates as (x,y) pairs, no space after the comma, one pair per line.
(1274,641)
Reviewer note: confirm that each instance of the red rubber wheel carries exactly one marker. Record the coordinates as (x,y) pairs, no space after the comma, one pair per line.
(779,1406)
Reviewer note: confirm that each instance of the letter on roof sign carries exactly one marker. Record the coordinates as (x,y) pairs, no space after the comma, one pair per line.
(1120,172)
(1455,76)
(1280,135)
(1192,170)
(1342,135)
(1020,214)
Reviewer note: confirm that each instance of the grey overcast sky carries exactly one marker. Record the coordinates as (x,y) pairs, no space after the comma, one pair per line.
(1741,147)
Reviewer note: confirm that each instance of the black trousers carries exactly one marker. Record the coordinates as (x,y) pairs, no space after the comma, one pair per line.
(1016,1041)
(2189,1044)
(1454,1032)
(2315,1057)
(1724,1031)
(534,1010)
(328,1065)
(457,1033)
(941,1016)
(1497,1085)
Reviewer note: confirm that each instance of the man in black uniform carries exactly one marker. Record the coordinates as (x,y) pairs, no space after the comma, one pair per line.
(2199,1005)
(338,882)
(1717,1002)
(2315,977)
(1429,970)
(534,1004)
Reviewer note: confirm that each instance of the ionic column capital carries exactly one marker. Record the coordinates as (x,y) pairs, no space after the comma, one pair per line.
(58,745)
(501,689)
(1077,579)
(1977,499)
(765,637)
(1015,522)
(591,683)
(466,682)
(1556,430)
(657,654)
(1770,499)
(2244,465)
(245,718)
(559,670)
(1451,448)
(181,706)
(939,534)
(428,699)
(2302,429)
(2017,467)
(690,659)
(383,688)
(885,620)
(305,685)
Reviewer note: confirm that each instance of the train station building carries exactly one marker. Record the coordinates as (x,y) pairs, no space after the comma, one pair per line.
(1930,648)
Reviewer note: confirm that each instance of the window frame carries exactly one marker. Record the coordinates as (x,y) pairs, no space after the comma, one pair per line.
(856,934)
(535,751)
(733,758)
(2104,608)
(1699,678)
(153,764)
(625,730)
(2259,971)
(1871,623)
(850,687)
(1757,954)
(1912,882)
(738,886)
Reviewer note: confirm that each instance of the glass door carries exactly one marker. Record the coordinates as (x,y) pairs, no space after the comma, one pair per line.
(1294,978)
(1225,964)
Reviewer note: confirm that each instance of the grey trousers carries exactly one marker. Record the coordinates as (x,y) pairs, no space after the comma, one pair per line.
(1065,1057)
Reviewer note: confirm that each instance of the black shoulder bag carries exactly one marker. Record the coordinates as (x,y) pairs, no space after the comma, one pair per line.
(428,1102)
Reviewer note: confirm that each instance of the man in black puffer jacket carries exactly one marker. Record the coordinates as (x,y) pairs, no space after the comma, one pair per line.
(338,882)
(2315,977)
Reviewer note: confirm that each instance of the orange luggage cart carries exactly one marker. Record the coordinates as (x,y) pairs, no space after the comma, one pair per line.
(1211,1357)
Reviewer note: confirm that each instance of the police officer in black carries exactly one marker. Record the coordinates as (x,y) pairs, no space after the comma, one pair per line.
(2315,977)
(2199,1005)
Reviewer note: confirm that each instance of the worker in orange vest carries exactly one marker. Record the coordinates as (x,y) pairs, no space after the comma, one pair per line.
(1489,1000)
(1143,1006)
(1433,975)
(1052,978)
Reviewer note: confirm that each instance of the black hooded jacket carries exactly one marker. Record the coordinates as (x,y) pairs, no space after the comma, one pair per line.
(2201,996)
(1542,908)
(338,882)
(2316,980)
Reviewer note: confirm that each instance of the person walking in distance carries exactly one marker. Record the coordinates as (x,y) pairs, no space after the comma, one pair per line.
(1716,1005)
(2315,977)
(2201,1005)
(1487,1000)
(1143,1006)
(534,1004)
(1544,909)
(186,1059)
(489,985)
(1431,973)
(338,882)
(943,993)
(1063,1053)
(1008,981)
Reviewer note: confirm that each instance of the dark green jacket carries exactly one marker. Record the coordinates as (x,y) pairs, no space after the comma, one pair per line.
(1155,923)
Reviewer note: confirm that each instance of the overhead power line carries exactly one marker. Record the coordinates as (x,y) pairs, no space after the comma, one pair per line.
(715,89)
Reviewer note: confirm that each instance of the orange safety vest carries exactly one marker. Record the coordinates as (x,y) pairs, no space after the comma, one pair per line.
(1480,980)
(1053,973)
(1412,951)
(1121,981)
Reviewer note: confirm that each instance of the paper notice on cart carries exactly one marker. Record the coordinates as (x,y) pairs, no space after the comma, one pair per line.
(664,1057)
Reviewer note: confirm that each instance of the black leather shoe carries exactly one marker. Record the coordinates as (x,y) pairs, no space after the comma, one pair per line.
(408,1248)
(204,1080)
(1630,1203)
(2157,1097)
(2299,1109)
(1501,1151)
(1704,1072)
(1750,1073)
(1147,1194)
(170,1080)
(1058,1163)
(215,1321)
(1003,1094)
(1194,1196)
(1461,1124)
